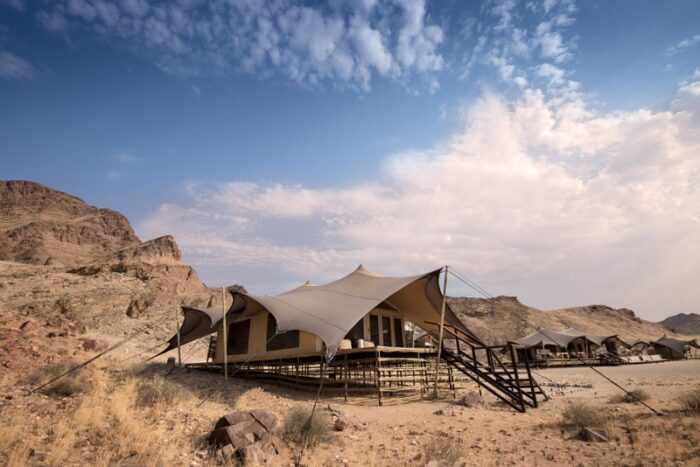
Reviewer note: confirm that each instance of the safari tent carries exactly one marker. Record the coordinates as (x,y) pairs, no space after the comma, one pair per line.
(360,310)
(671,349)
(569,343)
(349,333)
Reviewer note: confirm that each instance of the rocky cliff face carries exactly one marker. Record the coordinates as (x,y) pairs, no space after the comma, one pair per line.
(68,266)
(39,225)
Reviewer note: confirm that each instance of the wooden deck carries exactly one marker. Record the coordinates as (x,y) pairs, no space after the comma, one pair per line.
(381,371)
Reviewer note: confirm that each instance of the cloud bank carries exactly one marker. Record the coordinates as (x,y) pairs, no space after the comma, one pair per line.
(343,43)
(549,200)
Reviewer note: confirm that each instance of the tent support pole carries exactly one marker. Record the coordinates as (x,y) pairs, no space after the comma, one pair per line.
(223,309)
(442,325)
(177,323)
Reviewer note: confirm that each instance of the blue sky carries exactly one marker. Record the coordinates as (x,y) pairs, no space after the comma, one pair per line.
(283,141)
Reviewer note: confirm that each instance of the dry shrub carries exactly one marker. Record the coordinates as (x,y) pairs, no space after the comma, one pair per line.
(691,401)
(580,415)
(77,382)
(14,447)
(633,397)
(299,421)
(157,391)
(443,449)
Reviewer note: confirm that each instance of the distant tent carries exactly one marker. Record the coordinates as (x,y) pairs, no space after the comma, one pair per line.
(570,340)
(670,348)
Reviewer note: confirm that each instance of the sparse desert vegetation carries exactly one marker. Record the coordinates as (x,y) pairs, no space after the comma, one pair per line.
(299,421)
(632,397)
(691,401)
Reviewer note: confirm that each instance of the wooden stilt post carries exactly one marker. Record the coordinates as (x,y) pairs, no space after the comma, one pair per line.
(442,325)
(223,308)
(177,322)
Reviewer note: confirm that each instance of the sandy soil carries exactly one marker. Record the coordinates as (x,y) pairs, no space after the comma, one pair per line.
(395,434)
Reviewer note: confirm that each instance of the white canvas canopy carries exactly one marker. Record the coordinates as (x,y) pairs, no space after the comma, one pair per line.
(330,311)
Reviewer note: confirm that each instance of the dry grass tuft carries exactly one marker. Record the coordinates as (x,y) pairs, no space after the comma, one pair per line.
(442,448)
(158,391)
(299,420)
(78,382)
(582,417)
(633,397)
(691,401)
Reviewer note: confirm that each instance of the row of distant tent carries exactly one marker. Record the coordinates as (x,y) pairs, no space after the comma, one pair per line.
(543,338)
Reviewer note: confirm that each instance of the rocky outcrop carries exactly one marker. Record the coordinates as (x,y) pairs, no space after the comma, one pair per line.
(250,437)
(39,225)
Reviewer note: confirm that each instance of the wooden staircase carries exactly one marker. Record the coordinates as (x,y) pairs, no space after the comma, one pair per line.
(512,383)
(211,352)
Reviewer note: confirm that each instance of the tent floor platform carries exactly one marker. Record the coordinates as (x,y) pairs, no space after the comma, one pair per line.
(379,371)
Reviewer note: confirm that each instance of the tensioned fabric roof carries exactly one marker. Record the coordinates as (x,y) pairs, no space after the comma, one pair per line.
(329,311)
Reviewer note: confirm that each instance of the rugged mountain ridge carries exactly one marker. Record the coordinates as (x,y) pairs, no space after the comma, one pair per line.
(683,323)
(504,318)
(39,225)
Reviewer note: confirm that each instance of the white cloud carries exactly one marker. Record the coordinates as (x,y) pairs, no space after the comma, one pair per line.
(526,44)
(692,85)
(345,44)
(684,44)
(14,67)
(546,199)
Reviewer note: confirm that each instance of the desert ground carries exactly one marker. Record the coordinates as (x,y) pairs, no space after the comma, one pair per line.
(114,422)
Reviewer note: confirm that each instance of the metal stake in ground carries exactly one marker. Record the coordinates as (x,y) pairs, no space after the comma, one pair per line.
(439,344)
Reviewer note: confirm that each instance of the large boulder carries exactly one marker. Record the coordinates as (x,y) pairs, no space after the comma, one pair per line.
(248,437)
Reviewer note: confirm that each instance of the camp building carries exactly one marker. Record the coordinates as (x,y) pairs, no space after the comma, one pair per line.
(350,333)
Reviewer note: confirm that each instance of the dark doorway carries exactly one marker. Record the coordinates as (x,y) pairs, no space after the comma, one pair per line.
(238,334)
(374,328)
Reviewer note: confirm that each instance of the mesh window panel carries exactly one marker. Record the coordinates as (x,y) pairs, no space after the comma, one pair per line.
(374,328)
(286,340)
(386,330)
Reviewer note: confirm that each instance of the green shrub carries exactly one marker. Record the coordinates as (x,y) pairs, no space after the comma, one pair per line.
(299,420)
(77,382)
(633,397)
(150,393)
(691,400)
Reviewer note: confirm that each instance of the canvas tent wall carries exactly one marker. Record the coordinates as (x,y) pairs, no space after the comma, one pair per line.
(323,315)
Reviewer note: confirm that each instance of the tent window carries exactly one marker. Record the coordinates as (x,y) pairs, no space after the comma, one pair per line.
(386,330)
(286,340)
(357,331)
(238,334)
(374,328)
(398,332)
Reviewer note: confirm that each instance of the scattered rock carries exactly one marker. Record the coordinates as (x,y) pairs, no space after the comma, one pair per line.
(96,345)
(472,400)
(248,437)
(27,326)
(341,423)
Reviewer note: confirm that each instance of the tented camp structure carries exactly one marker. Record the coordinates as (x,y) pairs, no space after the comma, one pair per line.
(570,345)
(676,349)
(350,333)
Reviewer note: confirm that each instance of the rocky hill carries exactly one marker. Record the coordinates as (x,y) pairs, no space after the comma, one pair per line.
(503,318)
(69,271)
(683,323)
(39,225)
